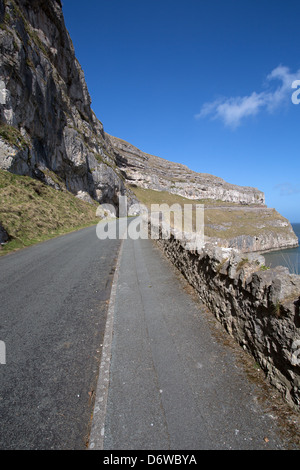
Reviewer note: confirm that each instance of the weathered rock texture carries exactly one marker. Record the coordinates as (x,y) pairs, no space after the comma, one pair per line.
(48,130)
(259,308)
(149,171)
(242,221)
(45,108)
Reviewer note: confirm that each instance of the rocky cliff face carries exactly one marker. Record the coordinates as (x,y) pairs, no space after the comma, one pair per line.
(235,216)
(153,172)
(45,109)
(48,131)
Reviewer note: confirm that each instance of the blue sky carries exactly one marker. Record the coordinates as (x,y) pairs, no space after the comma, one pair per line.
(207,83)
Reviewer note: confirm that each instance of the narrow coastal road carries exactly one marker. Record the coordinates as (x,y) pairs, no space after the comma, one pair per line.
(166,382)
(174,384)
(53,305)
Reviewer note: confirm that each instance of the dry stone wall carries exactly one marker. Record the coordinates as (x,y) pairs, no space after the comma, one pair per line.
(258,307)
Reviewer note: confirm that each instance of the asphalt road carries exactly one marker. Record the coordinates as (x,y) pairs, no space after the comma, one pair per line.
(169,377)
(53,305)
(176,380)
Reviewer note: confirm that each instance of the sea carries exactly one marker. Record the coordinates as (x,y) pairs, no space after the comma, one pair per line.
(289,258)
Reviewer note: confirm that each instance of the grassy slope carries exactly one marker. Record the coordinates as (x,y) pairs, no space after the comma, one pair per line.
(150,196)
(31,211)
(230,223)
(222,220)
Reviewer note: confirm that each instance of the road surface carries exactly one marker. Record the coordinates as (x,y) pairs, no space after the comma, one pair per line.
(53,304)
(74,306)
(175,380)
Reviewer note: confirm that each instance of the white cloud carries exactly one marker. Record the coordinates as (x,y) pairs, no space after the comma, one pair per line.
(233,110)
(287,189)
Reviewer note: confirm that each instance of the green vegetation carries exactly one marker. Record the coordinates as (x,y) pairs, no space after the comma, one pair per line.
(55,178)
(264,268)
(222,220)
(101,159)
(150,196)
(228,223)
(31,211)
(33,37)
(13,136)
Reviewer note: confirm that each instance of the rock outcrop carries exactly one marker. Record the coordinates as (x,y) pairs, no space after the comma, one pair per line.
(45,107)
(151,172)
(242,221)
(48,130)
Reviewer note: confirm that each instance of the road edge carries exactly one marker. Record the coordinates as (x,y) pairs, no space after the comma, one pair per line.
(98,420)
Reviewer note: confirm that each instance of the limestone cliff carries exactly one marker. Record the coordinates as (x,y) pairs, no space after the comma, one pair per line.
(149,171)
(235,216)
(45,108)
(48,131)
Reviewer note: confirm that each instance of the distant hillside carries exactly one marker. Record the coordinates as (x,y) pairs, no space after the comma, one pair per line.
(149,171)
(247,228)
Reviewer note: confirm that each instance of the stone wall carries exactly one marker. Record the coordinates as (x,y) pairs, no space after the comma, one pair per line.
(258,307)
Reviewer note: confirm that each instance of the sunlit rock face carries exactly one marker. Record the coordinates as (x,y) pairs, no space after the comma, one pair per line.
(48,131)
(45,108)
(151,172)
